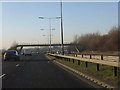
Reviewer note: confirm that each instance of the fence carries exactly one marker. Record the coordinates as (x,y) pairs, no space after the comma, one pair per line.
(114,64)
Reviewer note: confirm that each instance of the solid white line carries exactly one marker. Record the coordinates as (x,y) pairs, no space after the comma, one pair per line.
(2,75)
(17,65)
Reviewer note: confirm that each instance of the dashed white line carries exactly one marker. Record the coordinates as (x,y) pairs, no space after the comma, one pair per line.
(2,75)
(17,65)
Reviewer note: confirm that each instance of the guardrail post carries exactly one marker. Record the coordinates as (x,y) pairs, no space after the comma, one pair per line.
(98,67)
(86,64)
(101,57)
(78,62)
(73,60)
(82,55)
(90,57)
(115,71)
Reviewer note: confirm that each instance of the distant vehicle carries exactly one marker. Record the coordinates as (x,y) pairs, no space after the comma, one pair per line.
(11,55)
(27,52)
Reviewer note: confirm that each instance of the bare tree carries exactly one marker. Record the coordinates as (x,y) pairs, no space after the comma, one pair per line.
(97,42)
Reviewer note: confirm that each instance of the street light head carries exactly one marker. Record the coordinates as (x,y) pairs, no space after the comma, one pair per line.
(58,17)
(41,17)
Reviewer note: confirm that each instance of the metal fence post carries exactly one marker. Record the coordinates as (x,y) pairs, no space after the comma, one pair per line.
(73,60)
(98,67)
(86,64)
(78,62)
(101,57)
(82,55)
(90,57)
(115,71)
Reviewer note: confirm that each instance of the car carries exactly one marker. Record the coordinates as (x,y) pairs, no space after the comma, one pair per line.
(11,55)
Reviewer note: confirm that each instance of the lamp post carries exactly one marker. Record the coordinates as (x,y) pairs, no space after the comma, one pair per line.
(49,25)
(62,45)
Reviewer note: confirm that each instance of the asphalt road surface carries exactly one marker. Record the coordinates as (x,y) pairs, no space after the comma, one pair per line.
(38,72)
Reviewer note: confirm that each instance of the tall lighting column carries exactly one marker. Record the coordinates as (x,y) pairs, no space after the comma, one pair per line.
(62,45)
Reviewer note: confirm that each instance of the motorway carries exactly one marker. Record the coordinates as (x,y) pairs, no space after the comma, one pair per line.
(39,72)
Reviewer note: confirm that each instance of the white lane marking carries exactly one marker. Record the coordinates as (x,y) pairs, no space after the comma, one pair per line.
(2,75)
(17,65)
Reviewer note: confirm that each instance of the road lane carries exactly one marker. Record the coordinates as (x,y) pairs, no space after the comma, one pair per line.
(9,67)
(39,73)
